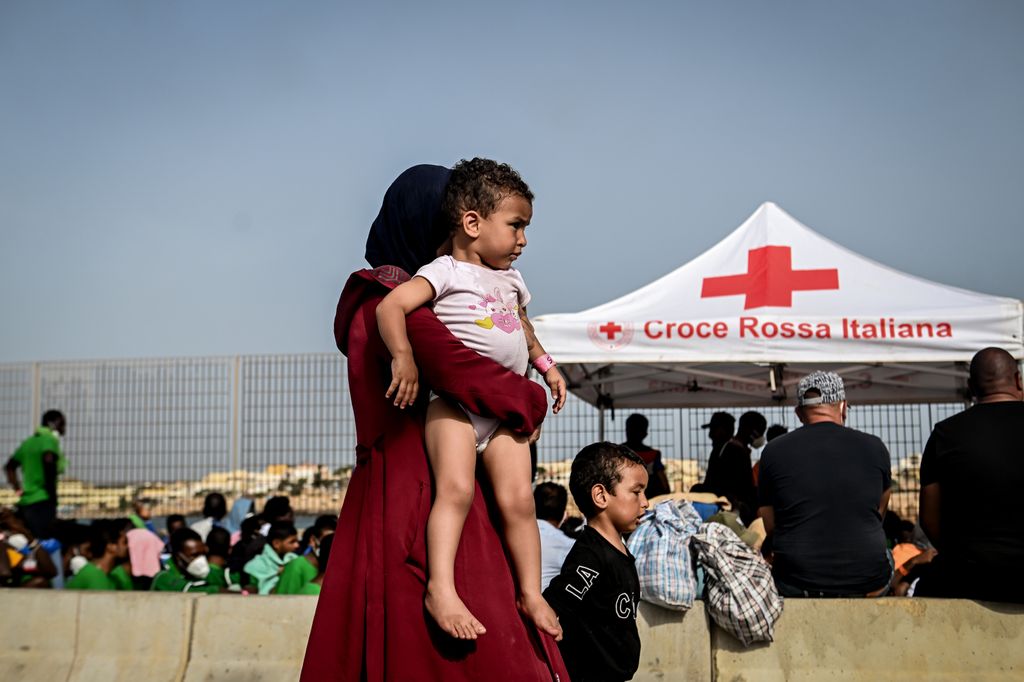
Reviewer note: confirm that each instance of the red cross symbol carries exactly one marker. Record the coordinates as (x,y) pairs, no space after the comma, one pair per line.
(610,329)
(770,279)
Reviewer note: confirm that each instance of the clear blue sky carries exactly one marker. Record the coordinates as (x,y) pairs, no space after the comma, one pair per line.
(197,178)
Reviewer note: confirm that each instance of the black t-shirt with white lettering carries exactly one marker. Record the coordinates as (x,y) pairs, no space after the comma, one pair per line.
(977,458)
(825,482)
(595,597)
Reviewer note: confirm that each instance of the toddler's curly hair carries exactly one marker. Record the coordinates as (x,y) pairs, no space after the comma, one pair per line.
(480,185)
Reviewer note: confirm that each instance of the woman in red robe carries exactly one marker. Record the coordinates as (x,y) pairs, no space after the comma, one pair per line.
(370,623)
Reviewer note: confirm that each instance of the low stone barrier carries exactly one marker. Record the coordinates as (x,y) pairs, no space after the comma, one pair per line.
(86,637)
(881,639)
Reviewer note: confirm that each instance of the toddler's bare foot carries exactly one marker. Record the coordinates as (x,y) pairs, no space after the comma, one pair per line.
(537,609)
(448,611)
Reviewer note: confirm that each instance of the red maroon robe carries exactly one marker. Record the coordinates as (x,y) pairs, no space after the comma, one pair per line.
(370,623)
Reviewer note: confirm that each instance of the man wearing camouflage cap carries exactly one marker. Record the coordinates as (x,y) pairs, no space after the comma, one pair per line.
(823,490)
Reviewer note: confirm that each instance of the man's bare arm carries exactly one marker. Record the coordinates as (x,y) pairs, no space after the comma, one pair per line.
(767,514)
(883,504)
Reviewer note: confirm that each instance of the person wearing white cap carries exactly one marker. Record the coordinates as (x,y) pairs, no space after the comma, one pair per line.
(823,490)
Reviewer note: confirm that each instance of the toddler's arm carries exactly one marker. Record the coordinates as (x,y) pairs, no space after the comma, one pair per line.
(552,377)
(391,312)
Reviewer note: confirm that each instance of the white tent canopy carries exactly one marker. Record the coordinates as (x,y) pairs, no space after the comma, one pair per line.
(742,322)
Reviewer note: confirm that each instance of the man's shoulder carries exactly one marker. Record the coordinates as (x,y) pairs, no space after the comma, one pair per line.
(971,417)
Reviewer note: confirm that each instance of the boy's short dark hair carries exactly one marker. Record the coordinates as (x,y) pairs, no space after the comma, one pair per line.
(174,518)
(277,508)
(480,185)
(325,522)
(598,463)
(103,532)
(279,530)
(218,542)
(181,536)
(550,500)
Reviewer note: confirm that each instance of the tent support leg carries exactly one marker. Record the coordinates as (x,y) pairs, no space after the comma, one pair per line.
(600,423)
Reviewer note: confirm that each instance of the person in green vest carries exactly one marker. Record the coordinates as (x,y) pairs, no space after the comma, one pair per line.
(41,461)
(109,546)
(189,568)
(266,568)
(305,574)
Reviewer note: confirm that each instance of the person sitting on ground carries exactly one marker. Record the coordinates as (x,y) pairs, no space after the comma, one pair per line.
(108,546)
(189,568)
(299,576)
(218,549)
(730,471)
(551,500)
(324,522)
(174,522)
(76,547)
(823,491)
(636,433)
(121,573)
(972,472)
(28,560)
(266,568)
(215,509)
(240,553)
(597,591)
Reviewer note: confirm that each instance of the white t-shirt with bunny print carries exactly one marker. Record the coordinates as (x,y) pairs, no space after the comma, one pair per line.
(481,307)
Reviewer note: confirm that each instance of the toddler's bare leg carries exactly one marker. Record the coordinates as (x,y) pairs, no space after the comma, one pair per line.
(451,448)
(507,462)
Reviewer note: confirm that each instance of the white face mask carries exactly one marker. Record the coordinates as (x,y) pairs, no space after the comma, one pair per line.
(77,563)
(759,442)
(198,567)
(18,541)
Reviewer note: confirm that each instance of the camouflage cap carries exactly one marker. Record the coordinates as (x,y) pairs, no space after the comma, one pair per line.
(828,385)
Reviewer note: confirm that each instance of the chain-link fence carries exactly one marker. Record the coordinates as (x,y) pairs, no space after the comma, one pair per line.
(172,429)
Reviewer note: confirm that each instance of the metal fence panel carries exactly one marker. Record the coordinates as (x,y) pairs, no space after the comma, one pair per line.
(173,429)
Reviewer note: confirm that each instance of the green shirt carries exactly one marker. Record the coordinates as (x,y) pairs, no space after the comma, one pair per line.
(265,568)
(121,578)
(29,457)
(171,580)
(297,578)
(91,577)
(216,577)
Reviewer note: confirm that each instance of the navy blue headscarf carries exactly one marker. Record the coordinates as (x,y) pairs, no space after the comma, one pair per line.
(410,228)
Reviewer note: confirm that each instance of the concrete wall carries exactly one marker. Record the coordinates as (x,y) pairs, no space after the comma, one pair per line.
(86,637)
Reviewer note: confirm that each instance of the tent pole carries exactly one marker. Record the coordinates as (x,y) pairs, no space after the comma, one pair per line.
(600,423)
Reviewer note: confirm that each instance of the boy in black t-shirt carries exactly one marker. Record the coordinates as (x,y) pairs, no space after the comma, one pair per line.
(596,594)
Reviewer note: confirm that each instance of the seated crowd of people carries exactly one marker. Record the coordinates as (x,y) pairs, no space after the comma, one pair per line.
(240,551)
(816,502)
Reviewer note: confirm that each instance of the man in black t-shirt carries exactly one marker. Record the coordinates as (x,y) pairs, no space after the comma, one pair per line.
(823,490)
(597,592)
(972,476)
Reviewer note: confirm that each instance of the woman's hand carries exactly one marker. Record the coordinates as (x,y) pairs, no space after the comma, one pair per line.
(556,382)
(404,381)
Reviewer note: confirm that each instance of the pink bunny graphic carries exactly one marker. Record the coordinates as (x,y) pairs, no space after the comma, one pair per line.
(500,314)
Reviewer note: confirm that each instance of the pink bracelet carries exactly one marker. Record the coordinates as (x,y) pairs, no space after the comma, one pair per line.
(544,363)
